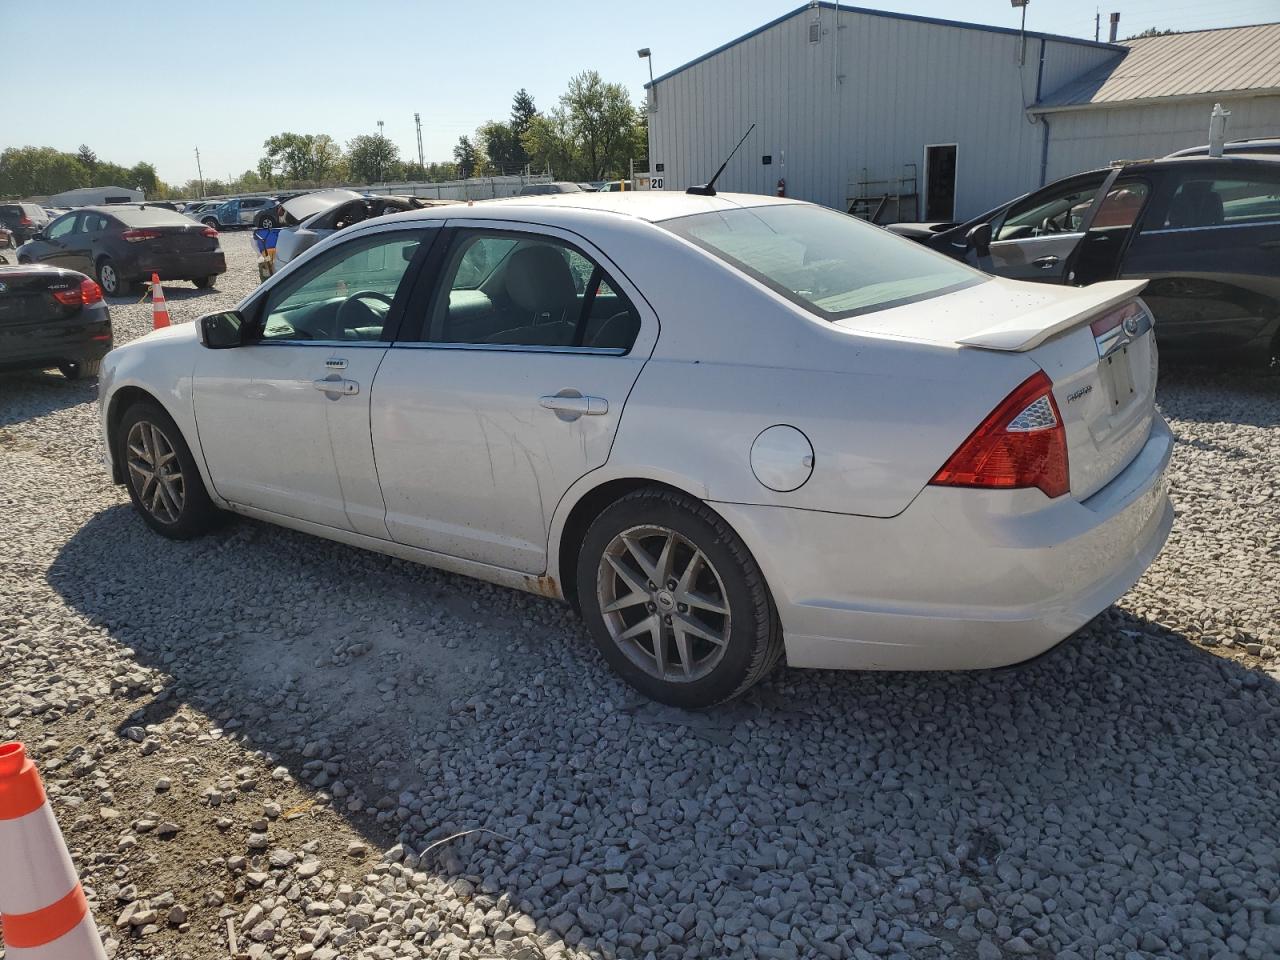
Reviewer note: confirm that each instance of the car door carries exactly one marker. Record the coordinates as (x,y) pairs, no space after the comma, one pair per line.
(1036,237)
(283,419)
(55,246)
(249,209)
(511,391)
(1211,249)
(80,242)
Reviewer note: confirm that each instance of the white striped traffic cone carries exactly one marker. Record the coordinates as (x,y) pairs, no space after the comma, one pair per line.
(43,912)
(159,309)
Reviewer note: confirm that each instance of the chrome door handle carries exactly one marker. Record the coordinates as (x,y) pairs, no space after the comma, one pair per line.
(1046,263)
(345,388)
(570,405)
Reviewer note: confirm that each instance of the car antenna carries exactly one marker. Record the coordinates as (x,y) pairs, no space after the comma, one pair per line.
(708,189)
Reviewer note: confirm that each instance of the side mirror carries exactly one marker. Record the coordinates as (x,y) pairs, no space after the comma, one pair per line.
(978,239)
(221,331)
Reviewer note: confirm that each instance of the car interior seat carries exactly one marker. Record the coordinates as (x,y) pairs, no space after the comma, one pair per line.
(540,285)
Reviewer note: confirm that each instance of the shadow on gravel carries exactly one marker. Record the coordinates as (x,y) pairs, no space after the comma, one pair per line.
(1219,392)
(1123,785)
(28,394)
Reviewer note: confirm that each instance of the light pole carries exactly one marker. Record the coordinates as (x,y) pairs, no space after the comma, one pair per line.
(1022,56)
(644,53)
(200,173)
(380,138)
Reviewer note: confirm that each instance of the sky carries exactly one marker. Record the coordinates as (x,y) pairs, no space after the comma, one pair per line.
(155,79)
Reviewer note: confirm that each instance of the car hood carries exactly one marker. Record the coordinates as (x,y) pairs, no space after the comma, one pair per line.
(309,204)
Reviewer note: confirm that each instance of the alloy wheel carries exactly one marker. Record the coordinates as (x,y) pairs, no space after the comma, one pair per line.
(156,472)
(664,603)
(110,281)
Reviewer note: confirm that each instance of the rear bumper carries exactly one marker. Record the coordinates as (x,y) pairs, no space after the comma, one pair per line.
(86,336)
(961,579)
(176,266)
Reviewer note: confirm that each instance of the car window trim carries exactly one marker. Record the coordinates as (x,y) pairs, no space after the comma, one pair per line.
(390,328)
(447,244)
(1212,226)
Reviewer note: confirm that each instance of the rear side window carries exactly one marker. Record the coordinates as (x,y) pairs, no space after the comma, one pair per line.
(1220,202)
(526,291)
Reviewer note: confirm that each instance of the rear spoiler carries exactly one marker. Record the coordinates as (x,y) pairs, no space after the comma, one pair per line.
(1033,328)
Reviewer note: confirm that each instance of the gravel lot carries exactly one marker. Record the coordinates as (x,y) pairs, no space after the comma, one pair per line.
(266,739)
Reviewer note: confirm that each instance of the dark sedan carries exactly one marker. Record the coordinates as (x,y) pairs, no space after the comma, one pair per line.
(1205,231)
(124,244)
(50,317)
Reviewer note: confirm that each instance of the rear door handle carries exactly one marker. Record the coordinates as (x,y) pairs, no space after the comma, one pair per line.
(1046,263)
(570,405)
(344,388)
(1270,244)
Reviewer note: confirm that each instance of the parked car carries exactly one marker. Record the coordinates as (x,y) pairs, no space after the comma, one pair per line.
(23,220)
(241,212)
(1205,231)
(587,187)
(51,317)
(196,208)
(614,186)
(543,189)
(122,244)
(836,443)
(1259,145)
(329,211)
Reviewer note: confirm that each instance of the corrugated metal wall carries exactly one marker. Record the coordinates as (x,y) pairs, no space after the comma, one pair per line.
(905,84)
(1082,139)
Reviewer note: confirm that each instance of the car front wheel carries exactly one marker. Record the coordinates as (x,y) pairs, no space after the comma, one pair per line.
(675,601)
(80,369)
(164,483)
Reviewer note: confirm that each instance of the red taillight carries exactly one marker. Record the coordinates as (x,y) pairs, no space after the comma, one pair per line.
(90,292)
(209,232)
(25,221)
(87,293)
(135,236)
(1021,444)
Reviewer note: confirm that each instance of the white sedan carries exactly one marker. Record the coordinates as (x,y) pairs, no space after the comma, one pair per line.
(723,427)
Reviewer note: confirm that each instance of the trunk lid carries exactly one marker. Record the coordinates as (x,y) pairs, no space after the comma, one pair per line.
(27,294)
(1103,372)
(189,238)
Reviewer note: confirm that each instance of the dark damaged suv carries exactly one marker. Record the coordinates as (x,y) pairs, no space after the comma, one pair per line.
(51,317)
(1205,231)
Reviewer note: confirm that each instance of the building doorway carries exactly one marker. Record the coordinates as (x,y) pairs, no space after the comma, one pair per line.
(940,182)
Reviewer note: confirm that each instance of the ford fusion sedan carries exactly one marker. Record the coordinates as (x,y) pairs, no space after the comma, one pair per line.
(52,318)
(124,244)
(724,427)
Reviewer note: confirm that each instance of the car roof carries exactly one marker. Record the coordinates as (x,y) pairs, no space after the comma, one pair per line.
(653,206)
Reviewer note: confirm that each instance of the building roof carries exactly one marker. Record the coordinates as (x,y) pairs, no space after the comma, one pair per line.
(889,15)
(1201,63)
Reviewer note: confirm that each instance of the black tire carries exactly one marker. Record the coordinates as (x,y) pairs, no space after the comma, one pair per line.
(266,222)
(196,514)
(204,283)
(113,285)
(24,260)
(753,644)
(80,369)
(211,222)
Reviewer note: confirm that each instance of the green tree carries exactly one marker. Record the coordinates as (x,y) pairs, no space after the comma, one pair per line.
(372,158)
(326,158)
(523,110)
(291,155)
(466,157)
(88,158)
(501,146)
(550,145)
(39,171)
(142,176)
(601,120)
(110,175)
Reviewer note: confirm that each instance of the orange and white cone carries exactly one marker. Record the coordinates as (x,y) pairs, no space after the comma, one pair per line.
(43,912)
(159,309)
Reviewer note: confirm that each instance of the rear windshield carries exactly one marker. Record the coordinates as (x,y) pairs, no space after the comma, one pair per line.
(149,217)
(829,263)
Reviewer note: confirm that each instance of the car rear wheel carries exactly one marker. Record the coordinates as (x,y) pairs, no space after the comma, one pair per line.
(266,222)
(164,483)
(675,601)
(80,369)
(210,222)
(113,285)
(204,283)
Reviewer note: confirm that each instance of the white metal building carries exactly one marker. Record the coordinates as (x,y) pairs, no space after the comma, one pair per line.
(946,119)
(95,196)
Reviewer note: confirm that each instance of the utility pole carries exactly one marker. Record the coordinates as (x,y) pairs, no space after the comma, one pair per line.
(1097,24)
(417,122)
(200,173)
(381,172)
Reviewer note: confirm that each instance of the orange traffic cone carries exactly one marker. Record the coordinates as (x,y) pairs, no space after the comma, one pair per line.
(43,912)
(159,309)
